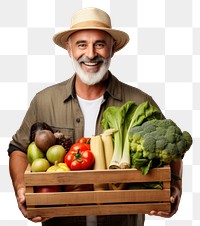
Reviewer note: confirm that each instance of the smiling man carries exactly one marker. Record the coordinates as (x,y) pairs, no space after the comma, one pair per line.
(91,52)
(77,105)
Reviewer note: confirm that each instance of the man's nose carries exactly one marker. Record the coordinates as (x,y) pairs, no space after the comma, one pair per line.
(91,52)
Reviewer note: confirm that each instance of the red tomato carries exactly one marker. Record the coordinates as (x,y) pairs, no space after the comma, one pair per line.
(84,140)
(79,146)
(79,157)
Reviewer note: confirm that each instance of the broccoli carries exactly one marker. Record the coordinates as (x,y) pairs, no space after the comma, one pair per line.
(158,142)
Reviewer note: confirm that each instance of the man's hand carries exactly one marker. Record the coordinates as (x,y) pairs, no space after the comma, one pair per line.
(20,195)
(17,174)
(22,205)
(174,199)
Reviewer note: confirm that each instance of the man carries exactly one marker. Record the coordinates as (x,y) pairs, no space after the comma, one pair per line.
(78,103)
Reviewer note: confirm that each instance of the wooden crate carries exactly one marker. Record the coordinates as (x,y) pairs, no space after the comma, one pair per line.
(107,202)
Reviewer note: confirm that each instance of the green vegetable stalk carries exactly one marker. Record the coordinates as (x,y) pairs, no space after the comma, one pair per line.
(113,117)
(123,119)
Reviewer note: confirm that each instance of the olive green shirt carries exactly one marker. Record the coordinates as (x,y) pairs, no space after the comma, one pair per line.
(58,107)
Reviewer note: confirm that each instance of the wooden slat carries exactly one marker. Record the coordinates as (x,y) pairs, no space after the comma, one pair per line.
(85,197)
(98,210)
(96,177)
(166,184)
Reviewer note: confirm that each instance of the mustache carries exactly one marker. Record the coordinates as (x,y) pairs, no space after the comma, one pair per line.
(97,59)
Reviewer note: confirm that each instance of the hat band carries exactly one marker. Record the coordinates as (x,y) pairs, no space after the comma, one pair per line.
(90,24)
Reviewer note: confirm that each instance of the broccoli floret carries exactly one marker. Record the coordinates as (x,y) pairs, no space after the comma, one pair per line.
(135,130)
(188,139)
(149,143)
(133,147)
(178,137)
(161,131)
(139,148)
(169,153)
(136,138)
(171,134)
(161,143)
(148,127)
(171,148)
(181,146)
(166,123)
(146,124)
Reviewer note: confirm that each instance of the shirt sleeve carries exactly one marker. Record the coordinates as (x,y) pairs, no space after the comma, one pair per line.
(21,139)
(13,148)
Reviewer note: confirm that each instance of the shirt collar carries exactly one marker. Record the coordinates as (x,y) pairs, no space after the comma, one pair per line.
(70,88)
(113,88)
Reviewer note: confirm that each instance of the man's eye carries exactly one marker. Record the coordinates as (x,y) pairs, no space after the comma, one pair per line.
(100,45)
(82,45)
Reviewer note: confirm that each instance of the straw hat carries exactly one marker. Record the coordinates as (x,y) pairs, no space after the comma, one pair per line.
(91,18)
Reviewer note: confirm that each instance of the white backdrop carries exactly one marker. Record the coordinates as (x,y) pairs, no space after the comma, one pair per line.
(162,58)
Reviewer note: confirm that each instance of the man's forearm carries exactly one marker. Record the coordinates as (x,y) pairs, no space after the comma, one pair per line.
(17,166)
(177,170)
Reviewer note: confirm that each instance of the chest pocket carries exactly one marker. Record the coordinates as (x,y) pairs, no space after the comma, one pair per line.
(68,132)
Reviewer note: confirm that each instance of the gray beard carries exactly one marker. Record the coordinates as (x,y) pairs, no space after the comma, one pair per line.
(90,78)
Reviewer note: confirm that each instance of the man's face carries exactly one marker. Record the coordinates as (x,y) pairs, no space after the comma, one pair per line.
(91,52)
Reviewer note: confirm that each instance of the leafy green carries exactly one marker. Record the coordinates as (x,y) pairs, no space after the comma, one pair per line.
(123,119)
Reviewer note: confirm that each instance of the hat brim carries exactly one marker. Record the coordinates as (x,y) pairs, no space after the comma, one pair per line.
(120,37)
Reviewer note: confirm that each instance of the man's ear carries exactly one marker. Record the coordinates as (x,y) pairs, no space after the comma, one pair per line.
(113,48)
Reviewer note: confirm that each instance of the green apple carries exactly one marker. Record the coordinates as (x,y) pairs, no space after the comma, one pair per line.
(56,153)
(40,165)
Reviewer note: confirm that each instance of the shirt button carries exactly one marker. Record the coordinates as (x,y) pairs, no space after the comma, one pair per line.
(78,120)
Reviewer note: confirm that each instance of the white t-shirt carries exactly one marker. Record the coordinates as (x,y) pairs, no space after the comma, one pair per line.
(90,110)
